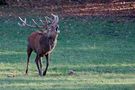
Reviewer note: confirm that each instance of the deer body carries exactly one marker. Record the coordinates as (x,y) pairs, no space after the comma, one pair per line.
(42,43)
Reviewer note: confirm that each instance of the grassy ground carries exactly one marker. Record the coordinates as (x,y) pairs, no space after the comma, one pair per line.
(100,50)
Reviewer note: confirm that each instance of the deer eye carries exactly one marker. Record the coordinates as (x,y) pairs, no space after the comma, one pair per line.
(57,28)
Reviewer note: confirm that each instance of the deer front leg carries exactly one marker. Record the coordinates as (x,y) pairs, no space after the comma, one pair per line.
(37,60)
(29,51)
(47,64)
(40,62)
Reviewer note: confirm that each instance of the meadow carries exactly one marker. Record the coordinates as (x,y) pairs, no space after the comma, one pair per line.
(100,50)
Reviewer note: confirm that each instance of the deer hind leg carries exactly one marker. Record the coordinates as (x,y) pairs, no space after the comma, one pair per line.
(37,61)
(29,51)
(47,64)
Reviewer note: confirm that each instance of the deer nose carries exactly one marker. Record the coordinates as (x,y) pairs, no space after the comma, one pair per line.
(58,31)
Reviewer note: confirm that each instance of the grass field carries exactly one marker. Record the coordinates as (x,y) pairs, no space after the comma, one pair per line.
(101,51)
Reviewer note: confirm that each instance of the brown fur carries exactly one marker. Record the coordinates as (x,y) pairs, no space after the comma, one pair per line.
(42,42)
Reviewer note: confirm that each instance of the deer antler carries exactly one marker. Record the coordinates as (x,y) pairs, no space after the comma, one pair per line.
(41,21)
(47,18)
(24,23)
(55,20)
(45,23)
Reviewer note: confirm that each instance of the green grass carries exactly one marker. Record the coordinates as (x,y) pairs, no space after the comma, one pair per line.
(101,50)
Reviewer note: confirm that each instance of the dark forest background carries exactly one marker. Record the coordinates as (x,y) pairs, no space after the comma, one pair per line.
(56,2)
(67,7)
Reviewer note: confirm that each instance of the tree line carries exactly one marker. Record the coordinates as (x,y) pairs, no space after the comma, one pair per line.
(55,2)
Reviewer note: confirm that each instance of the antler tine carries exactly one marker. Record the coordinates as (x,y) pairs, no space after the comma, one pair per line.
(25,20)
(45,24)
(56,19)
(48,18)
(21,19)
(36,23)
(24,23)
(20,24)
(41,21)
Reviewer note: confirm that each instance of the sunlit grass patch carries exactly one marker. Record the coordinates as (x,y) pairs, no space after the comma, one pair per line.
(82,81)
(12,53)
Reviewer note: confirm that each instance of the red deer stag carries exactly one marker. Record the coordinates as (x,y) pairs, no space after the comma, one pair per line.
(42,42)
